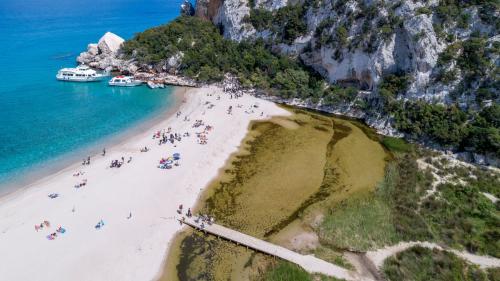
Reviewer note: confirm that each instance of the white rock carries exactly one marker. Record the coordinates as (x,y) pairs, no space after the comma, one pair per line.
(109,43)
(174,61)
(271,4)
(230,15)
(92,49)
(103,55)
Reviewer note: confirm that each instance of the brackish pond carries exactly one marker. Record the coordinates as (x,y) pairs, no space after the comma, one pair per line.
(288,172)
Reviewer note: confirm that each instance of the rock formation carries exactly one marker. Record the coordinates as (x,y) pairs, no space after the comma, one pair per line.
(104,54)
(382,37)
(187,8)
(227,14)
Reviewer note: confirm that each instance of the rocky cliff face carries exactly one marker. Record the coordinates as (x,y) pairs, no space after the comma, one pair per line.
(358,42)
(228,15)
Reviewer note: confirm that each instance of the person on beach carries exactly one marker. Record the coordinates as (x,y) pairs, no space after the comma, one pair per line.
(129,216)
(103,151)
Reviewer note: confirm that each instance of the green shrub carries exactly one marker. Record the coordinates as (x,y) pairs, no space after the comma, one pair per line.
(208,56)
(287,22)
(422,264)
(462,217)
(444,125)
(286,271)
(396,144)
(423,10)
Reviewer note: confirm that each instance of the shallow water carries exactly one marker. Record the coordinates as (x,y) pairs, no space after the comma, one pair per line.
(44,121)
(287,172)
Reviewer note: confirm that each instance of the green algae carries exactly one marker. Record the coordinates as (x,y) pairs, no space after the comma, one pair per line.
(286,170)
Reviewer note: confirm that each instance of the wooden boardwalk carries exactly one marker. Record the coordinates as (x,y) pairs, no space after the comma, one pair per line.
(308,262)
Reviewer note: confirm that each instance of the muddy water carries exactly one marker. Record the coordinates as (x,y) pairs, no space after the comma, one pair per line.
(288,171)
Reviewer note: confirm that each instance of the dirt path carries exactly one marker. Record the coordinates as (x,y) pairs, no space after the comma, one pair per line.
(378,257)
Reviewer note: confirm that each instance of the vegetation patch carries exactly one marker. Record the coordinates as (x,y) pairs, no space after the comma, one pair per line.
(422,264)
(450,126)
(285,271)
(460,216)
(287,22)
(457,215)
(359,224)
(396,144)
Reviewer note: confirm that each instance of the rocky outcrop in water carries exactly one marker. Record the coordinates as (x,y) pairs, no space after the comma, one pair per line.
(105,54)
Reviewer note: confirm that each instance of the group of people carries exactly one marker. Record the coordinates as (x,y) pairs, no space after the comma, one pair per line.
(46,224)
(233,88)
(198,123)
(118,164)
(166,163)
(169,138)
(86,161)
(43,224)
(205,219)
(53,235)
(202,137)
(81,184)
(53,195)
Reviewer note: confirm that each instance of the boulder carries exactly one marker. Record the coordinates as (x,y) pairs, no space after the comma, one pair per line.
(174,62)
(109,43)
(104,54)
(92,49)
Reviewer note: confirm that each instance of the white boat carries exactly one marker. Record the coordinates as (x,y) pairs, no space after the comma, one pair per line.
(81,73)
(124,81)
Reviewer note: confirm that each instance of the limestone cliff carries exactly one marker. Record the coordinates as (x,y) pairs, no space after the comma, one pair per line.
(358,42)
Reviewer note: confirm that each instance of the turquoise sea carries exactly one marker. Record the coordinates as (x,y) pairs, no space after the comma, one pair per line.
(43,122)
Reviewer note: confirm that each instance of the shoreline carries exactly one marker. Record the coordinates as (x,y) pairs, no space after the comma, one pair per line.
(130,246)
(70,159)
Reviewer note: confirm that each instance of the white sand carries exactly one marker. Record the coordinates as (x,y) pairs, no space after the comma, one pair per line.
(124,249)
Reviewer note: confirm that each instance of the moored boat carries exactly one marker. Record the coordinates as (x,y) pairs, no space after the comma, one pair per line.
(124,81)
(81,73)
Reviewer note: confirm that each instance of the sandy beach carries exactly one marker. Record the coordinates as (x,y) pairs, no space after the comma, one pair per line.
(136,202)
